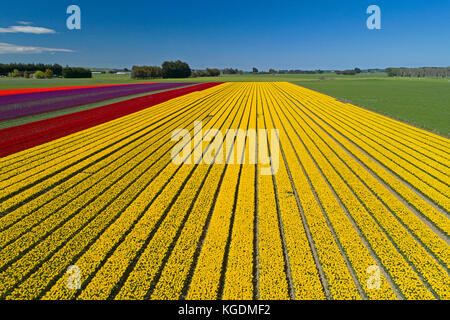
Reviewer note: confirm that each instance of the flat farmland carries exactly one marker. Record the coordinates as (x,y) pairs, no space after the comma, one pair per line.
(422,102)
(357,205)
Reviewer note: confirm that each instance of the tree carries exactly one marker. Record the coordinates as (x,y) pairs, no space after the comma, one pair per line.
(212,72)
(232,71)
(155,72)
(145,72)
(175,69)
(272,71)
(39,75)
(391,72)
(349,72)
(209,72)
(57,69)
(6,69)
(14,74)
(48,73)
(198,73)
(346,72)
(357,70)
(255,70)
(71,72)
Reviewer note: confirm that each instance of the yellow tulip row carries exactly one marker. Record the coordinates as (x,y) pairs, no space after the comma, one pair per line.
(175,274)
(175,271)
(204,283)
(149,259)
(339,280)
(239,280)
(410,248)
(305,277)
(206,277)
(433,214)
(271,270)
(273,282)
(304,273)
(357,254)
(240,261)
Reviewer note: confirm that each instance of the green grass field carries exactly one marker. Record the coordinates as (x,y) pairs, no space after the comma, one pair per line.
(421,102)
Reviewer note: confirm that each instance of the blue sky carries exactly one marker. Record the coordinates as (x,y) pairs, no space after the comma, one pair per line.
(241,34)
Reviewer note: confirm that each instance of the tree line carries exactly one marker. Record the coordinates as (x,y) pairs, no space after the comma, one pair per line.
(73,72)
(425,72)
(5,69)
(169,69)
(41,71)
(214,72)
(232,71)
(350,72)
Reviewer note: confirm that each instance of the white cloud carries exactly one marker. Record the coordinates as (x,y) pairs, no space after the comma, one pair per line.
(27,29)
(24,22)
(7,48)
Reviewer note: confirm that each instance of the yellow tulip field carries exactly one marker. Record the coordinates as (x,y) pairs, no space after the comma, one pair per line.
(357,205)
